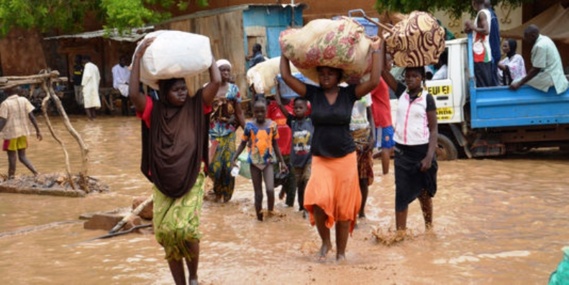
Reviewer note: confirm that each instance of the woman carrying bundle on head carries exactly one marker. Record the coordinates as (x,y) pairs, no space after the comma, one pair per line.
(415,137)
(174,150)
(332,194)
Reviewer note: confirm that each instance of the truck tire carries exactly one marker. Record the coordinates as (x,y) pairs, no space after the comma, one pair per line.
(446,150)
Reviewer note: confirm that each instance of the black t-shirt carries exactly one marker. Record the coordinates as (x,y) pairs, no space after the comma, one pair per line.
(332,136)
(77,74)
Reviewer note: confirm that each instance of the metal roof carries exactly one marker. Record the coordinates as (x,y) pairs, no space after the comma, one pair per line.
(132,36)
(212,12)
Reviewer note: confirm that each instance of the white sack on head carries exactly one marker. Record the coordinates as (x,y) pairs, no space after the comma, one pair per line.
(339,43)
(174,54)
(263,74)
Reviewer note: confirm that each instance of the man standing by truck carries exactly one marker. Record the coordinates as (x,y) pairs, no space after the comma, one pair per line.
(481,27)
(546,68)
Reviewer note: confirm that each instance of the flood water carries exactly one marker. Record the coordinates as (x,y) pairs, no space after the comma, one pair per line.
(497,221)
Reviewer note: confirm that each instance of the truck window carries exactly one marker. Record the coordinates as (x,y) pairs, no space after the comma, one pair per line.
(441,68)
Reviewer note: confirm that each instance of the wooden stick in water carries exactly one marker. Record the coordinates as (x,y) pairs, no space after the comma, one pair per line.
(134,212)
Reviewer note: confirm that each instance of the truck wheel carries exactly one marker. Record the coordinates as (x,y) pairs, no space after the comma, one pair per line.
(446,150)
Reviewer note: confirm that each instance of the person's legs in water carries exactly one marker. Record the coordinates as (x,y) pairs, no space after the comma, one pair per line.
(427,208)
(364,189)
(89,112)
(320,218)
(24,160)
(401,219)
(385,157)
(300,174)
(257,179)
(268,176)
(289,185)
(194,250)
(177,270)
(342,233)
(11,163)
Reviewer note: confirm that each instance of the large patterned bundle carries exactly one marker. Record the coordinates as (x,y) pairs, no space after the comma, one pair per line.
(416,41)
(337,43)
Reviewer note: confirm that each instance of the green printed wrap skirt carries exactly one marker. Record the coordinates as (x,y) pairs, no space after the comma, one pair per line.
(177,221)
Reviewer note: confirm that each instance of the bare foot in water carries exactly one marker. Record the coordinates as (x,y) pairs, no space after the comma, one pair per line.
(340,258)
(400,235)
(260,216)
(324,249)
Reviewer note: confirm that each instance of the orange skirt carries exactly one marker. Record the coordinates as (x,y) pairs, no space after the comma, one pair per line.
(334,187)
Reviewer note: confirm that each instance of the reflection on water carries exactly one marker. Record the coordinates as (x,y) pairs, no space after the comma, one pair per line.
(497,221)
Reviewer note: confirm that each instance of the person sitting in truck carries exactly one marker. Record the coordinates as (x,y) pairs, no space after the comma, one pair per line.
(441,67)
(546,69)
(481,48)
(512,67)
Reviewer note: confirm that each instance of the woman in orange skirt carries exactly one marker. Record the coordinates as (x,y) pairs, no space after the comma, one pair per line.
(332,194)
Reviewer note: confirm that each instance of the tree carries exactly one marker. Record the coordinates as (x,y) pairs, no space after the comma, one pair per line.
(454,8)
(68,16)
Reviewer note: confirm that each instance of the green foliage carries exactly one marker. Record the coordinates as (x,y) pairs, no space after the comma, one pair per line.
(42,14)
(68,15)
(454,8)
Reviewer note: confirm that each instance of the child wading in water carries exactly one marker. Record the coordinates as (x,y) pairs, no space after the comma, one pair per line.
(261,135)
(300,156)
(416,134)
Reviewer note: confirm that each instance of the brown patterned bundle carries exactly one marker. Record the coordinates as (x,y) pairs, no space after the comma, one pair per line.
(417,41)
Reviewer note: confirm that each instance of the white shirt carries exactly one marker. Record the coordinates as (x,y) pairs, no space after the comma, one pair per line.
(441,73)
(412,124)
(121,76)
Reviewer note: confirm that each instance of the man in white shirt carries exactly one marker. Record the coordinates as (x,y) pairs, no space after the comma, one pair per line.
(90,82)
(121,76)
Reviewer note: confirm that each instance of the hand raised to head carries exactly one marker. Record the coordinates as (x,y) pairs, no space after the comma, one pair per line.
(143,46)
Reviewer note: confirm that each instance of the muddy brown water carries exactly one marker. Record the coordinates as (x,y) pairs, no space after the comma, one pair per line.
(497,221)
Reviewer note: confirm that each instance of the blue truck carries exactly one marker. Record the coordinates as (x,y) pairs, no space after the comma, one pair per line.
(492,121)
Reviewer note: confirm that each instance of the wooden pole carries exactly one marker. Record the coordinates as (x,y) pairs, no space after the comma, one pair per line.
(134,212)
(83,177)
(54,135)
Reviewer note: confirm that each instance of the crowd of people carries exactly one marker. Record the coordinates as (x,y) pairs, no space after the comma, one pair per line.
(490,70)
(320,147)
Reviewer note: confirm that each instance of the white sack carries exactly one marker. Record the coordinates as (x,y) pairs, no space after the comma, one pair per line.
(174,54)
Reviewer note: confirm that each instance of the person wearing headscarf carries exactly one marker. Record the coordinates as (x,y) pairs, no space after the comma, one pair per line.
(226,117)
(512,67)
(174,151)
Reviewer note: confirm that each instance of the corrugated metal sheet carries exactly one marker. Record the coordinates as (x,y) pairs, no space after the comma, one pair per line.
(132,36)
(212,12)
